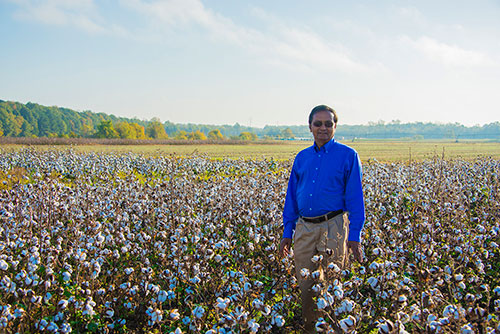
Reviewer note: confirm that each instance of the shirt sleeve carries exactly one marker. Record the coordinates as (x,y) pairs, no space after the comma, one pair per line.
(291,211)
(354,199)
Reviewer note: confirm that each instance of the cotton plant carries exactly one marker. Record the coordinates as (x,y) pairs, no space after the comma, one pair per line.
(105,242)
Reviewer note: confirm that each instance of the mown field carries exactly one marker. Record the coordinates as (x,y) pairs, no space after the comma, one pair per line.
(147,241)
(382,150)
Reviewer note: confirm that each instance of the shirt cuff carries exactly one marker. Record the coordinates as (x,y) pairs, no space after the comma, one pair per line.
(288,231)
(354,235)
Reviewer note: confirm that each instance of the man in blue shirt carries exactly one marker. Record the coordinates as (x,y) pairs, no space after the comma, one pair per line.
(324,206)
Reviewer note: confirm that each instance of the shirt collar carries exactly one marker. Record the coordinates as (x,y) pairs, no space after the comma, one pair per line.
(324,148)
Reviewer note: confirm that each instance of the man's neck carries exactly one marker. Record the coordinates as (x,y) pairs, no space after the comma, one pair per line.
(319,146)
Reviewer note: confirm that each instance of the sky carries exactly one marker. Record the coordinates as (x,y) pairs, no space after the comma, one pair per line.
(256,63)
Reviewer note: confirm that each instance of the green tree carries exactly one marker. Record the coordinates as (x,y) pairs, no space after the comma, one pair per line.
(86,127)
(450,134)
(105,129)
(287,133)
(271,131)
(125,131)
(181,135)
(12,125)
(197,135)
(30,125)
(247,136)
(43,125)
(215,135)
(170,128)
(26,129)
(156,130)
(58,124)
(139,131)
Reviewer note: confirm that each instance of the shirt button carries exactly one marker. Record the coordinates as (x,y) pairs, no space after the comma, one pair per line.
(316,168)
(319,155)
(310,209)
(310,195)
(314,181)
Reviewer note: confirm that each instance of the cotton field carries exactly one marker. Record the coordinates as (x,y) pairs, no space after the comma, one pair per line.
(129,243)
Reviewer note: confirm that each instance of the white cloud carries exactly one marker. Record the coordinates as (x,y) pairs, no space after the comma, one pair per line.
(449,55)
(181,14)
(308,48)
(274,41)
(82,14)
(412,14)
(279,44)
(172,12)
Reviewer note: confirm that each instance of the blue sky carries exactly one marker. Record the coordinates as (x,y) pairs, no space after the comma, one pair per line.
(258,62)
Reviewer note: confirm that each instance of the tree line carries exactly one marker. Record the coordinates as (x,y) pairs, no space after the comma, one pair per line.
(34,120)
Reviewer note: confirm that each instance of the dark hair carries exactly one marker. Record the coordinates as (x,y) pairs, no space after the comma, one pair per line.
(323,107)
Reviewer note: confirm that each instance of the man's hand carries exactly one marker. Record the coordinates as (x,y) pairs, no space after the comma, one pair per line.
(285,247)
(355,248)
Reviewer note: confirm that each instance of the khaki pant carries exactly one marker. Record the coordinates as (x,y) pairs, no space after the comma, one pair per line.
(314,239)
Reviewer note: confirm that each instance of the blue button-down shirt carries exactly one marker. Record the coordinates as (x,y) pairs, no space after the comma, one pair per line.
(324,180)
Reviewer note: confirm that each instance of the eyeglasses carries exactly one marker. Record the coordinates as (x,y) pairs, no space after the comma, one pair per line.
(327,124)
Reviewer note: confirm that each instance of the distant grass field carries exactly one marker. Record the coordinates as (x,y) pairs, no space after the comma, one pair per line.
(389,151)
(383,150)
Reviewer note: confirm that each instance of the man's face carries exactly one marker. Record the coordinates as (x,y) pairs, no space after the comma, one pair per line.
(322,127)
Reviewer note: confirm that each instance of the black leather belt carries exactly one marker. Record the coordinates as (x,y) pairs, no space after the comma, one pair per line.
(323,218)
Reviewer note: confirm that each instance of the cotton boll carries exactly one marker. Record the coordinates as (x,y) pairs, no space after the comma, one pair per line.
(348,324)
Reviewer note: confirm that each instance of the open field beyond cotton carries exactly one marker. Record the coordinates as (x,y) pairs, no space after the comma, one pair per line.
(142,240)
(381,150)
